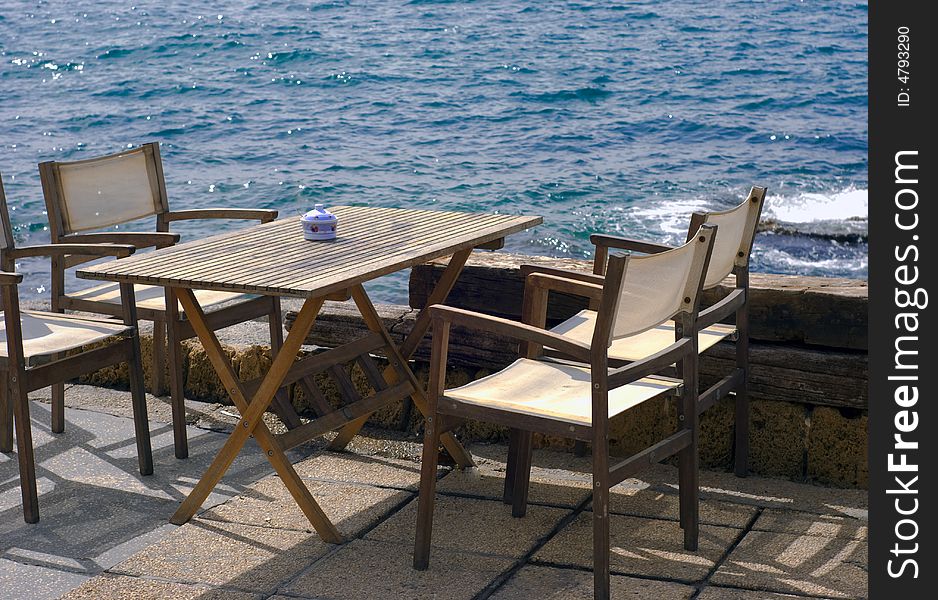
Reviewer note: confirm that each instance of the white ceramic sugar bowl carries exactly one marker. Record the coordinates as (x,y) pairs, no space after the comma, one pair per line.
(319,224)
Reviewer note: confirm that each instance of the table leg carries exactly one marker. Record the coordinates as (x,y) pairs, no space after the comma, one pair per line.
(399,368)
(409,346)
(252,415)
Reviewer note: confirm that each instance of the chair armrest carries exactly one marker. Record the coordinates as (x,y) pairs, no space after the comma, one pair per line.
(255,214)
(650,364)
(621,243)
(575,275)
(722,309)
(10,278)
(118,250)
(138,239)
(563,284)
(508,328)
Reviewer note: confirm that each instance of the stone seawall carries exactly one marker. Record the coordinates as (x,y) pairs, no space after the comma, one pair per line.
(808,357)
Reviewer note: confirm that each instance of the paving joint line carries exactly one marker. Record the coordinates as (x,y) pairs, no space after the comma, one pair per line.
(792,593)
(360,536)
(703,583)
(35,562)
(469,496)
(613,572)
(506,575)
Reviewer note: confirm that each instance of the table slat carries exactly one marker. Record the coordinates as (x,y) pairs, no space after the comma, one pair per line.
(274,259)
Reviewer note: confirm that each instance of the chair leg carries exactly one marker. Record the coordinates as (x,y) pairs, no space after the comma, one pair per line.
(139,402)
(689,492)
(522,476)
(6,416)
(58,404)
(601,542)
(741,467)
(177,388)
(511,464)
(157,379)
(742,431)
(24,449)
(425,501)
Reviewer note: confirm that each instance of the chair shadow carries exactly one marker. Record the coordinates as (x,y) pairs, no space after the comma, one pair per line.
(95,507)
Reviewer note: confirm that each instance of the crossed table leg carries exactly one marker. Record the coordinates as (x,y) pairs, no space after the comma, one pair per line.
(399,380)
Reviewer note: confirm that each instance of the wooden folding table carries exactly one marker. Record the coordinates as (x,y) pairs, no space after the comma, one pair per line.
(274,259)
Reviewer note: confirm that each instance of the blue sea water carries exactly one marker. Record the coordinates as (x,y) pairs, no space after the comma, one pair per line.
(606,116)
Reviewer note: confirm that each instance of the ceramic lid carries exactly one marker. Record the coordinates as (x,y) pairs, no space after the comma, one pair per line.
(319,214)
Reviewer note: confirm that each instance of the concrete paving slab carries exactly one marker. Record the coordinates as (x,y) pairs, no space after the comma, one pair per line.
(653,503)
(473,525)
(643,547)
(752,490)
(541,457)
(92,499)
(551,583)
(232,555)
(367,569)
(773,493)
(86,529)
(21,581)
(723,593)
(98,513)
(551,486)
(353,508)
(789,521)
(119,587)
(353,468)
(833,567)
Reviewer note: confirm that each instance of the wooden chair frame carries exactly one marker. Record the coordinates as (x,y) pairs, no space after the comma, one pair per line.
(446,413)
(170,326)
(734,305)
(21,378)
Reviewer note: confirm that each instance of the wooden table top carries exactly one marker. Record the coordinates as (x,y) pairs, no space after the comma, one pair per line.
(274,259)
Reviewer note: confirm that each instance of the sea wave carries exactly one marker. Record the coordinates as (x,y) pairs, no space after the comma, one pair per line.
(840,215)
(618,118)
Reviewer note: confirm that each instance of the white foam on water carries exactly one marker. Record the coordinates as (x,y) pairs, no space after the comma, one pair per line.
(785,262)
(670,216)
(850,204)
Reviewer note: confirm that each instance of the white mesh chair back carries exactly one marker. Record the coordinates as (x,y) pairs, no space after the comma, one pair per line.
(656,287)
(108,190)
(6,229)
(737,232)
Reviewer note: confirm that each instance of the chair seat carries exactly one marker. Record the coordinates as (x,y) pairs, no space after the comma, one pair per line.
(152,297)
(556,391)
(47,333)
(636,347)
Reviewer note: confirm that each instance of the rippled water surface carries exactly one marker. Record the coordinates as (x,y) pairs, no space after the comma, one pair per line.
(601,116)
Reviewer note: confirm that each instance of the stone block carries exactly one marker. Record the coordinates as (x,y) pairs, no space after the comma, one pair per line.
(837,448)
(778,434)
(717,431)
(201,381)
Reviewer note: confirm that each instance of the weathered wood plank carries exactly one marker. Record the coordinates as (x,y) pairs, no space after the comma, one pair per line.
(274,259)
(820,311)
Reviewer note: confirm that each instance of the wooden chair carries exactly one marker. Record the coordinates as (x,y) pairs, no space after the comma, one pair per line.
(536,393)
(731,252)
(33,346)
(103,192)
